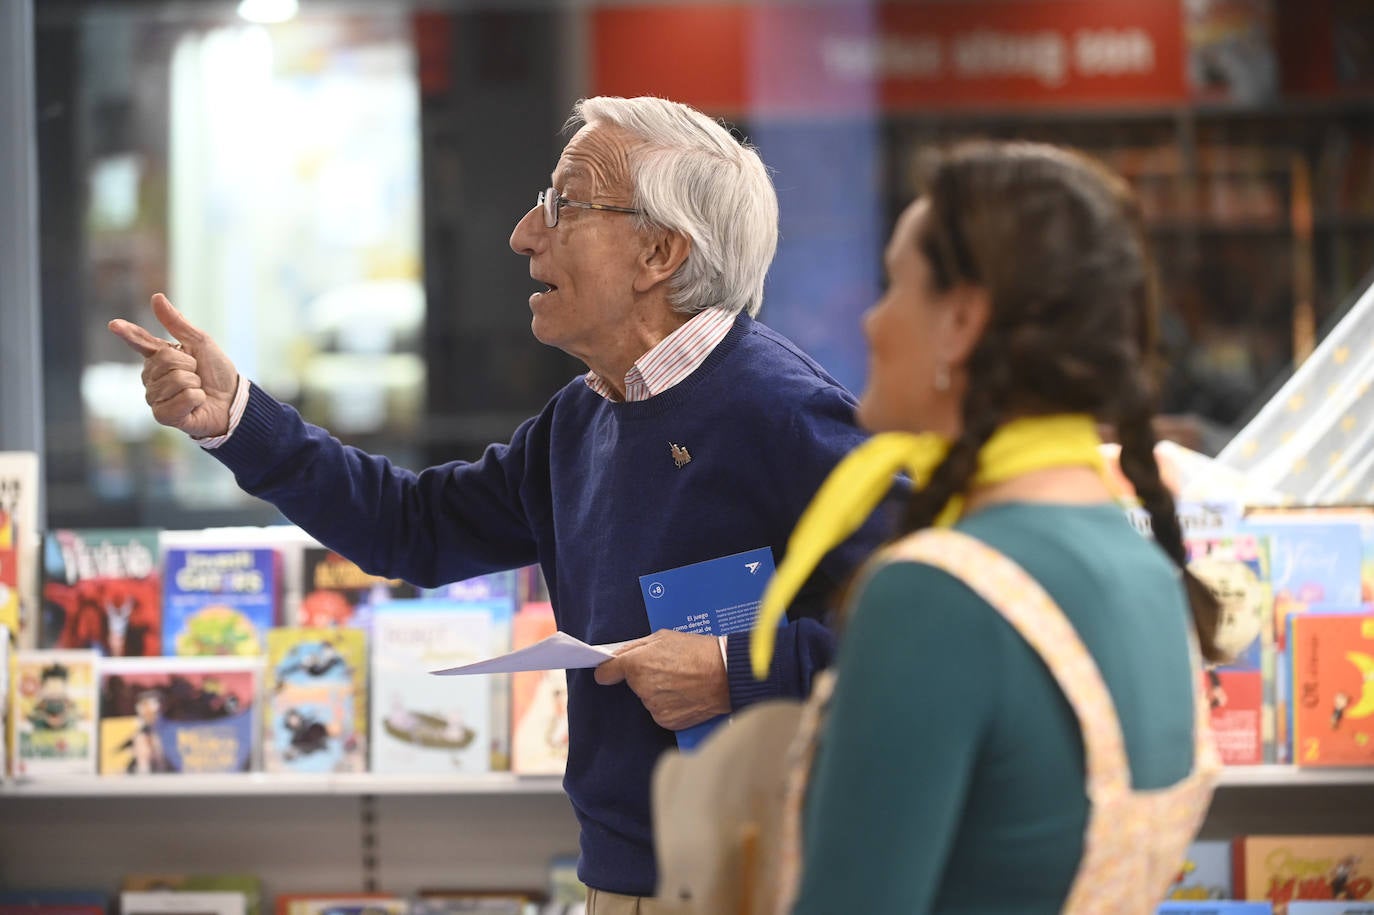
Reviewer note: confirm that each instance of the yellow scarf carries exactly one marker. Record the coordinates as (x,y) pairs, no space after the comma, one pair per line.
(856,485)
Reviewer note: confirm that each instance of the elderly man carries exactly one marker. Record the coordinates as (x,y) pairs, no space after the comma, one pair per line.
(696,433)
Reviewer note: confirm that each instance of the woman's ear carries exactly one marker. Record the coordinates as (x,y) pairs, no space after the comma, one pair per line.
(968,308)
(664,253)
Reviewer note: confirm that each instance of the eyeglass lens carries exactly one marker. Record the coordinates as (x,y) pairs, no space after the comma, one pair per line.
(549,200)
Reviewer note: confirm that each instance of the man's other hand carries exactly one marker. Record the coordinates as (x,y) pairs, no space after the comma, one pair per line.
(190,385)
(679,677)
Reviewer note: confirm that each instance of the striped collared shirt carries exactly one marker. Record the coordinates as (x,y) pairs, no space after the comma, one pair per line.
(674,358)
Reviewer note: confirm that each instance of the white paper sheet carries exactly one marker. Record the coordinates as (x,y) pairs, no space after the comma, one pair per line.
(558,651)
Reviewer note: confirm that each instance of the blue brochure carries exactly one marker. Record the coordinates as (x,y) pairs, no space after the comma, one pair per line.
(715,597)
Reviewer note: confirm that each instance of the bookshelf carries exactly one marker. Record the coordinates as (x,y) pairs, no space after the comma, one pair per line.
(400,833)
(262,784)
(1261,220)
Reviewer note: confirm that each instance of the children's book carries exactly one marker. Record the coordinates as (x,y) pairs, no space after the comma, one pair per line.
(1234,567)
(499,593)
(565,889)
(286,540)
(1215,907)
(469,902)
(340,904)
(193,715)
(1316,558)
(19,484)
(1283,869)
(1205,873)
(421,723)
(53,902)
(102,589)
(8,670)
(54,713)
(220,601)
(336,592)
(539,701)
(183,902)
(1333,689)
(248,886)
(9,573)
(315,701)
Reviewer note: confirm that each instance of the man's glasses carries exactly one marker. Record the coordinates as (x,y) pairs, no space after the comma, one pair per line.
(551,203)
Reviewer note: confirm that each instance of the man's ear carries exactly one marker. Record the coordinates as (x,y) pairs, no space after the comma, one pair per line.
(968,310)
(664,252)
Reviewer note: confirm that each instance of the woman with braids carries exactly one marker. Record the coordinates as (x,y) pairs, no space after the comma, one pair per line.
(1016,723)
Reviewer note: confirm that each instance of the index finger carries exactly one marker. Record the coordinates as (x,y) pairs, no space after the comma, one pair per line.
(139,340)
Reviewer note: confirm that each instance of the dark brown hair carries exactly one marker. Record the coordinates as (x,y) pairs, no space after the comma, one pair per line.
(1057,241)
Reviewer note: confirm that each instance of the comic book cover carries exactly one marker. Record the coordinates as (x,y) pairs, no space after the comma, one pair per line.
(9,573)
(469,902)
(1333,689)
(340,904)
(1205,874)
(53,902)
(219,601)
(1235,568)
(539,701)
(8,668)
(54,711)
(422,723)
(1318,559)
(102,589)
(1358,515)
(315,712)
(286,540)
(1282,869)
(248,886)
(19,483)
(336,592)
(192,715)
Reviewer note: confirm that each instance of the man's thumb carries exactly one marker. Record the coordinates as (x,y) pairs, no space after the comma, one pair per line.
(611,672)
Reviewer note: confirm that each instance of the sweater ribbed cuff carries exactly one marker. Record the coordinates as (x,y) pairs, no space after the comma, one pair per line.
(745,690)
(254,435)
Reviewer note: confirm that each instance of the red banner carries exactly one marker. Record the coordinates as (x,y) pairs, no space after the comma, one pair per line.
(895,56)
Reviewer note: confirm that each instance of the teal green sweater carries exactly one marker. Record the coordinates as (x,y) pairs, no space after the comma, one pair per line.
(951,776)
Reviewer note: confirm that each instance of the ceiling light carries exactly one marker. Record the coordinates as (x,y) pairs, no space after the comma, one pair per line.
(268,11)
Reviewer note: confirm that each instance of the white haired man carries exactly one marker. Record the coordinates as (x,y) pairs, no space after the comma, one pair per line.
(697,432)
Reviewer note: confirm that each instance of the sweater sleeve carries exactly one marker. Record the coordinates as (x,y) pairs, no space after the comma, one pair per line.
(446,523)
(915,695)
(820,434)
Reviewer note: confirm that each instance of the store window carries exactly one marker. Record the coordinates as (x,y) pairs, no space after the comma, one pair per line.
(331,196)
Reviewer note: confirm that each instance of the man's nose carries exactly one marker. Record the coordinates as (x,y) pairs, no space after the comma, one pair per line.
(525,237)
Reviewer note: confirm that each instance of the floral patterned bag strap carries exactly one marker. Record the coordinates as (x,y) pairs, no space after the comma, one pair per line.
(1033,613)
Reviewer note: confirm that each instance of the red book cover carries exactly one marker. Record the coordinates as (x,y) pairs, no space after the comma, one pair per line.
(1333,689)
(1280,869)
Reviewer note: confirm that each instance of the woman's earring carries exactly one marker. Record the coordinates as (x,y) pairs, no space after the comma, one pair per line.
(942,378)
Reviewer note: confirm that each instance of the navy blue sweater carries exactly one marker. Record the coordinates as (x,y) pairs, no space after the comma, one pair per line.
(589,489)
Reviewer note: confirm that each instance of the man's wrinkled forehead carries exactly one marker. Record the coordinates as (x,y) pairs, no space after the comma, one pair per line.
(595,156)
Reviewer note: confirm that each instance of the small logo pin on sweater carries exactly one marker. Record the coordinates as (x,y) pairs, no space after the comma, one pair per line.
(681,456)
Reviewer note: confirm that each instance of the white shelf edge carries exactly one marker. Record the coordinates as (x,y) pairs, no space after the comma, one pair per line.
(259,783)
(1275,776)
